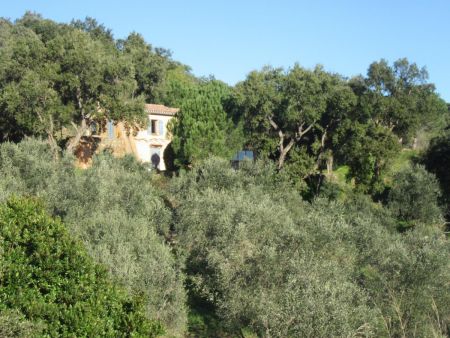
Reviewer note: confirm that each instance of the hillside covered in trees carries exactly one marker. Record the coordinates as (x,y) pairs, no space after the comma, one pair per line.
(339,228)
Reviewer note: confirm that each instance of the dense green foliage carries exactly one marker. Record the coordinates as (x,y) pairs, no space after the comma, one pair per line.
(150,66)
(414,197)
(58,81)
(117,213)
(399,98)
(14,324)
(203,128)
(334,230)
(437,161)
(49,277)
(55,75)
(367,149)
(304,119)
(281,109)
(264,259)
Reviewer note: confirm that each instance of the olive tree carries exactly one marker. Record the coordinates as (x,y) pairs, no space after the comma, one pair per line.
(264,259)
(115,209)
(48,277)
(414,197)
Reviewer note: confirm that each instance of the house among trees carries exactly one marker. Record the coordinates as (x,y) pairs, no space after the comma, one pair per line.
(151,143)
(148,145)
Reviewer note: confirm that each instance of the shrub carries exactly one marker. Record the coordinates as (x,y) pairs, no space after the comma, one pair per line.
(121,218)
(253,258)
(49,277)
(262,258)
(14,324)
(114,208)
(414,196)
(437,161)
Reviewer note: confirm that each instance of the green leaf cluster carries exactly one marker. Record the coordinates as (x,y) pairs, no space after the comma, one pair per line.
(414,197)
(261,258)
(309,120)
(118,214)
(49,277)
(202,127)
(58,80)
(437,160)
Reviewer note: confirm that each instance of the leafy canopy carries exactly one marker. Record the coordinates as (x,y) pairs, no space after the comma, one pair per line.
(49,277)
(202,127)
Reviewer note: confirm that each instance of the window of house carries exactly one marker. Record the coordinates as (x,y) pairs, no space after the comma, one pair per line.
(154,127)
(161,128)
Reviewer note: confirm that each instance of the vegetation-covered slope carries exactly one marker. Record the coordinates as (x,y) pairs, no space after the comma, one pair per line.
(49,278)
(337,230)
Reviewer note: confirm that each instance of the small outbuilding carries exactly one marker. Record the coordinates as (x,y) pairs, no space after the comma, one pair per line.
(241,156)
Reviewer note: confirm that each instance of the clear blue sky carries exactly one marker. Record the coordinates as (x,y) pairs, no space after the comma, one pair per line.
(230,38)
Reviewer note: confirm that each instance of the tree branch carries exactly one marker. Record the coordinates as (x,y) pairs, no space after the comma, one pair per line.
(280,133)
(302,132)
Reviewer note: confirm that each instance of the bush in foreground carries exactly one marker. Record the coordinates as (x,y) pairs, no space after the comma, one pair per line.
(261,258)
(49,279)
(117,212)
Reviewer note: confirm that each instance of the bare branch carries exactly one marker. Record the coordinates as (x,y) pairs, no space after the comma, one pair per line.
(273,123)
(302,132)
(74,125)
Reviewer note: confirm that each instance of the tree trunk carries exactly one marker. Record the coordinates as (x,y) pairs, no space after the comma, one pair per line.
(296,138)
(73,143)
(283,153)
(51,139)
(414,145)
(322,149)
(53,146)
(329,165)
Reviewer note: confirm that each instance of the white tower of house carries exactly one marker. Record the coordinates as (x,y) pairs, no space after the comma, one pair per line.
(151,143)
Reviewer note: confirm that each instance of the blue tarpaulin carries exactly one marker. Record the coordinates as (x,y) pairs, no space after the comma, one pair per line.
(244,154)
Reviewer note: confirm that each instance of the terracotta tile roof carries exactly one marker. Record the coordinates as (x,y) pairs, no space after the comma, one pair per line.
(159,109)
